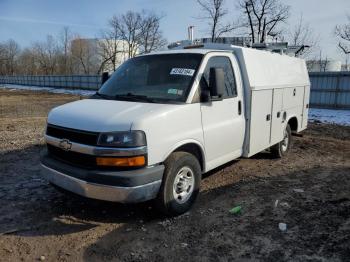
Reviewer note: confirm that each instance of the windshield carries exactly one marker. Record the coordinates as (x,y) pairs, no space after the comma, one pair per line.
(153,78)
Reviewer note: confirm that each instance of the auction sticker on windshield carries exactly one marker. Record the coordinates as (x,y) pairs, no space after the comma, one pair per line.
(182,71)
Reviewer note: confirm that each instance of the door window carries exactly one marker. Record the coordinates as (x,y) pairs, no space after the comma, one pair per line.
(224,63)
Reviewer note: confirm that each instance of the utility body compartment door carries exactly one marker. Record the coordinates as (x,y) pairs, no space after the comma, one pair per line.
(260,120)
(277,125)
(306,106)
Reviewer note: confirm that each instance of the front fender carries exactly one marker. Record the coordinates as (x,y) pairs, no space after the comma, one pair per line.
(185,142)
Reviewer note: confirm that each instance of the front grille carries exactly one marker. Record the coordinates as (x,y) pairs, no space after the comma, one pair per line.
(74,135)
(71,157)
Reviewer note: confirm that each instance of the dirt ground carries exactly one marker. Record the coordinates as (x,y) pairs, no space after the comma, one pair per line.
(309,190)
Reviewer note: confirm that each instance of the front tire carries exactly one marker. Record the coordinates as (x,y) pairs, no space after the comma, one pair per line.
(180,185)
(281,149)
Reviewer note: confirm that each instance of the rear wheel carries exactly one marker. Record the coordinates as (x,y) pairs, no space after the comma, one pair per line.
(281,149)
(180,184)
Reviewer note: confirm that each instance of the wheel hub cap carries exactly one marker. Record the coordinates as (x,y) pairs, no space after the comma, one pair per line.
(183,185)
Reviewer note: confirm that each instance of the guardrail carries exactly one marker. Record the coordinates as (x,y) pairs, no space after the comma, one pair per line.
(90,82)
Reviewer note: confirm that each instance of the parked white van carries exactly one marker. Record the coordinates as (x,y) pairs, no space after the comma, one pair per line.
(163,119)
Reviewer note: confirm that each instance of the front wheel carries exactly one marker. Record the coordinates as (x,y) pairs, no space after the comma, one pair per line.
(180,184)
(281,149)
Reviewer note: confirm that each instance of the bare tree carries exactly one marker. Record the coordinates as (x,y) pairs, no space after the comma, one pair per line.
(2,53)
(46,55)
(214,11)
(111,48)
(84,55)
(128,27)
(312,64)
(302,35)
(318,63)
(27,63)
(65,61)
(141,31)
(128,35)
(133,33)
(51,56)
(263,18)
(9,52)
(343,34)
(323,62)
(151,37)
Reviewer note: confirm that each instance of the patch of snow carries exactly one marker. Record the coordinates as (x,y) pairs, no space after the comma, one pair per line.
(330,116)
(80,92)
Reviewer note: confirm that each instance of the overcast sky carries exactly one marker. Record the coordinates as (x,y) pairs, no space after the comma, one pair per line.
(27,21)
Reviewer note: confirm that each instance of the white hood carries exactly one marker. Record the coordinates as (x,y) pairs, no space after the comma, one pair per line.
(102,115)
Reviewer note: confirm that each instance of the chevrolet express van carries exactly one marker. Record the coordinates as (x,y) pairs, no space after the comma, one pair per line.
(163,119)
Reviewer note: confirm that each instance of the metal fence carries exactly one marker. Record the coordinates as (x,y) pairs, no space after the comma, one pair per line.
(330,90)
(90,82)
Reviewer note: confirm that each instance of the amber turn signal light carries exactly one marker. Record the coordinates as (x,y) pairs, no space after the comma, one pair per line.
(118,161)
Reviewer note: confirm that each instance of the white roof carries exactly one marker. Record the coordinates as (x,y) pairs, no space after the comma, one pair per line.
(265,70)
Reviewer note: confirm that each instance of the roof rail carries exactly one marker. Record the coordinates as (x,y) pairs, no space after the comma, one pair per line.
(275,47)
(189,45)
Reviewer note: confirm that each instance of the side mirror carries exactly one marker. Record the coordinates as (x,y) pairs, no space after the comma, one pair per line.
(205,96)
(104,77)
(217,82)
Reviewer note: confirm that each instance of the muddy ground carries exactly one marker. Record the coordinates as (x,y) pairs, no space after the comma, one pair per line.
(309,190)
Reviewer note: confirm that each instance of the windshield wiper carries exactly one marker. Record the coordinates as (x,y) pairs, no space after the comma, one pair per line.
(101,95)
(133,97)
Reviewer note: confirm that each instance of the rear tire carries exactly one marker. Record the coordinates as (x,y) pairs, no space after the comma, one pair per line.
(281,149)
(180,185)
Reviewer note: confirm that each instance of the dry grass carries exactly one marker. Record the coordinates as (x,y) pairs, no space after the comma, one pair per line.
(23,115)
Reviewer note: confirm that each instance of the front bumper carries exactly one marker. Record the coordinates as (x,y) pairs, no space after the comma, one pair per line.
(118,186)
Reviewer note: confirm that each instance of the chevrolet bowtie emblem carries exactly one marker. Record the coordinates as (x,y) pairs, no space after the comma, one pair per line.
(65,144)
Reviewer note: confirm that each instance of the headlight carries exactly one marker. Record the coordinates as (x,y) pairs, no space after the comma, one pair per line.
(122,139)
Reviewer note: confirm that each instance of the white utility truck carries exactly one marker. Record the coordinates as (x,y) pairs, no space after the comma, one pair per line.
(163,119)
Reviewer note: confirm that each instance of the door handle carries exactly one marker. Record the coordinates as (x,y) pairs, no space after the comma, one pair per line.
(239,107)
(284,117)
(278,114)
(268,117)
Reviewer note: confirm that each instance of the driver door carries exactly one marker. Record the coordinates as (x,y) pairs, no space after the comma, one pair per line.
(223,121)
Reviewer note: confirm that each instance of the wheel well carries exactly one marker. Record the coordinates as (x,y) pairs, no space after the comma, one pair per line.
(193,149)
(293,123)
